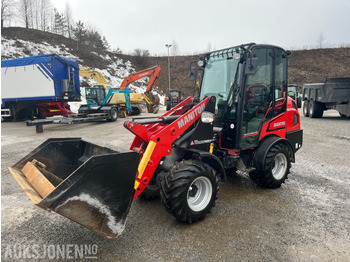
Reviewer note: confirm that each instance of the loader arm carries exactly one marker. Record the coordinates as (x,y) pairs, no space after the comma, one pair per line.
(154,137)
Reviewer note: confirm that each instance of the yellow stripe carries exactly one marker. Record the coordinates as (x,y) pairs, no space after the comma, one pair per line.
(211,148)
(136,184)
(145,158)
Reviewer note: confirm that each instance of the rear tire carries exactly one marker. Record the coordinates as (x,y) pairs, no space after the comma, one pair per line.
(189,190)
(152,190)
(276,167)
(168,105)
(306,108)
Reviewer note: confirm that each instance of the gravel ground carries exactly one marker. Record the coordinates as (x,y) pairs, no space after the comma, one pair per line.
(307,219)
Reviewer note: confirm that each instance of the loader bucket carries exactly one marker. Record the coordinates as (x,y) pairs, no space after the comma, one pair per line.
(89,184)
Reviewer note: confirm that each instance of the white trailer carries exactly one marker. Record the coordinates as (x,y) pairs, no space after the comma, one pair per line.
(28,81)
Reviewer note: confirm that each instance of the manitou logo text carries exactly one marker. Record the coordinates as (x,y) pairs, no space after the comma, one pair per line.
(193,115)
(279,124)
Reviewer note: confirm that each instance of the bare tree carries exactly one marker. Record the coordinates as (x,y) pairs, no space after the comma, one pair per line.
(36,7)
(31,13)
(320,40)
(69,19)
(52,19)
(25,12)
(141,56)
(45,14)
(6,11)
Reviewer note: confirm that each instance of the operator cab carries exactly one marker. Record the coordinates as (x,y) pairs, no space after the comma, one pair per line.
(250,86)
(95,95)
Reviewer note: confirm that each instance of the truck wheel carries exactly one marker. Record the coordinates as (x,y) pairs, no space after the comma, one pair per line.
(135,110)
(189,190)
(113,115)
(276,167)
(315,109)
(168,105)
(306,108)
(299,102)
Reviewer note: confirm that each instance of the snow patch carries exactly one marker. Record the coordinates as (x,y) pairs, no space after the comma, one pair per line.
(116,227)
(9,48)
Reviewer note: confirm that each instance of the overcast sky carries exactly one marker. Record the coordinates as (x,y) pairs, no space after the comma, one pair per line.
(197,24)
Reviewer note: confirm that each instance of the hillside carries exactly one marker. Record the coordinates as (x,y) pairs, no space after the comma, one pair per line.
(310,66)
(305,66)
(19,42)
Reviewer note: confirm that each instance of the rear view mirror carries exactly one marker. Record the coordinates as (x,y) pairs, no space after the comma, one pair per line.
(193,73)
(251,66)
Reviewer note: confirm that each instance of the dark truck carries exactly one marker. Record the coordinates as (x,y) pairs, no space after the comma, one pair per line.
(334,93)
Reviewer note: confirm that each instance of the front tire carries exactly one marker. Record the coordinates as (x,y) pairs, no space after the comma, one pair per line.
(276,167)
(189,190)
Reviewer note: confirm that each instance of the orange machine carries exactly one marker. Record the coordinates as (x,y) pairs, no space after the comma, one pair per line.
(151,100)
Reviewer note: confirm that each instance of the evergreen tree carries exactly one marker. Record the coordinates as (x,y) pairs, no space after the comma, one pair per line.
(58,26)
(94,39)
(106,45)
(79,32)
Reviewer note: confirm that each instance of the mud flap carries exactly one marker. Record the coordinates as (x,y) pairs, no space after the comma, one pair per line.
(87,183)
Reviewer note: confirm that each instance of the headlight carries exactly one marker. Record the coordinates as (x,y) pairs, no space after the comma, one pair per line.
(207,117)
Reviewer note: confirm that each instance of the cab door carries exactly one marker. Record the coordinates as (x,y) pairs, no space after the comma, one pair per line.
(265,93)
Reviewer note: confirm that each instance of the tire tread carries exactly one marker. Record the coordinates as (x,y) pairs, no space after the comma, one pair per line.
(174,185)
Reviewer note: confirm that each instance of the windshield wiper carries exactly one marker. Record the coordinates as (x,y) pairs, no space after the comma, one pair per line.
(232,94)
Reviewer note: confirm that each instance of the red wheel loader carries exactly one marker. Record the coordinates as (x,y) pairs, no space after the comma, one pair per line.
(240,118)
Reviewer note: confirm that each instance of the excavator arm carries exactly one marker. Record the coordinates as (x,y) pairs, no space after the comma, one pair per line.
(153,72)
(150,99)
(90,73)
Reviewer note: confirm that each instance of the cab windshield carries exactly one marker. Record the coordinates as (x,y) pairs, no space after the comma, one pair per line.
(219,77)
(292,89)
(174,93)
